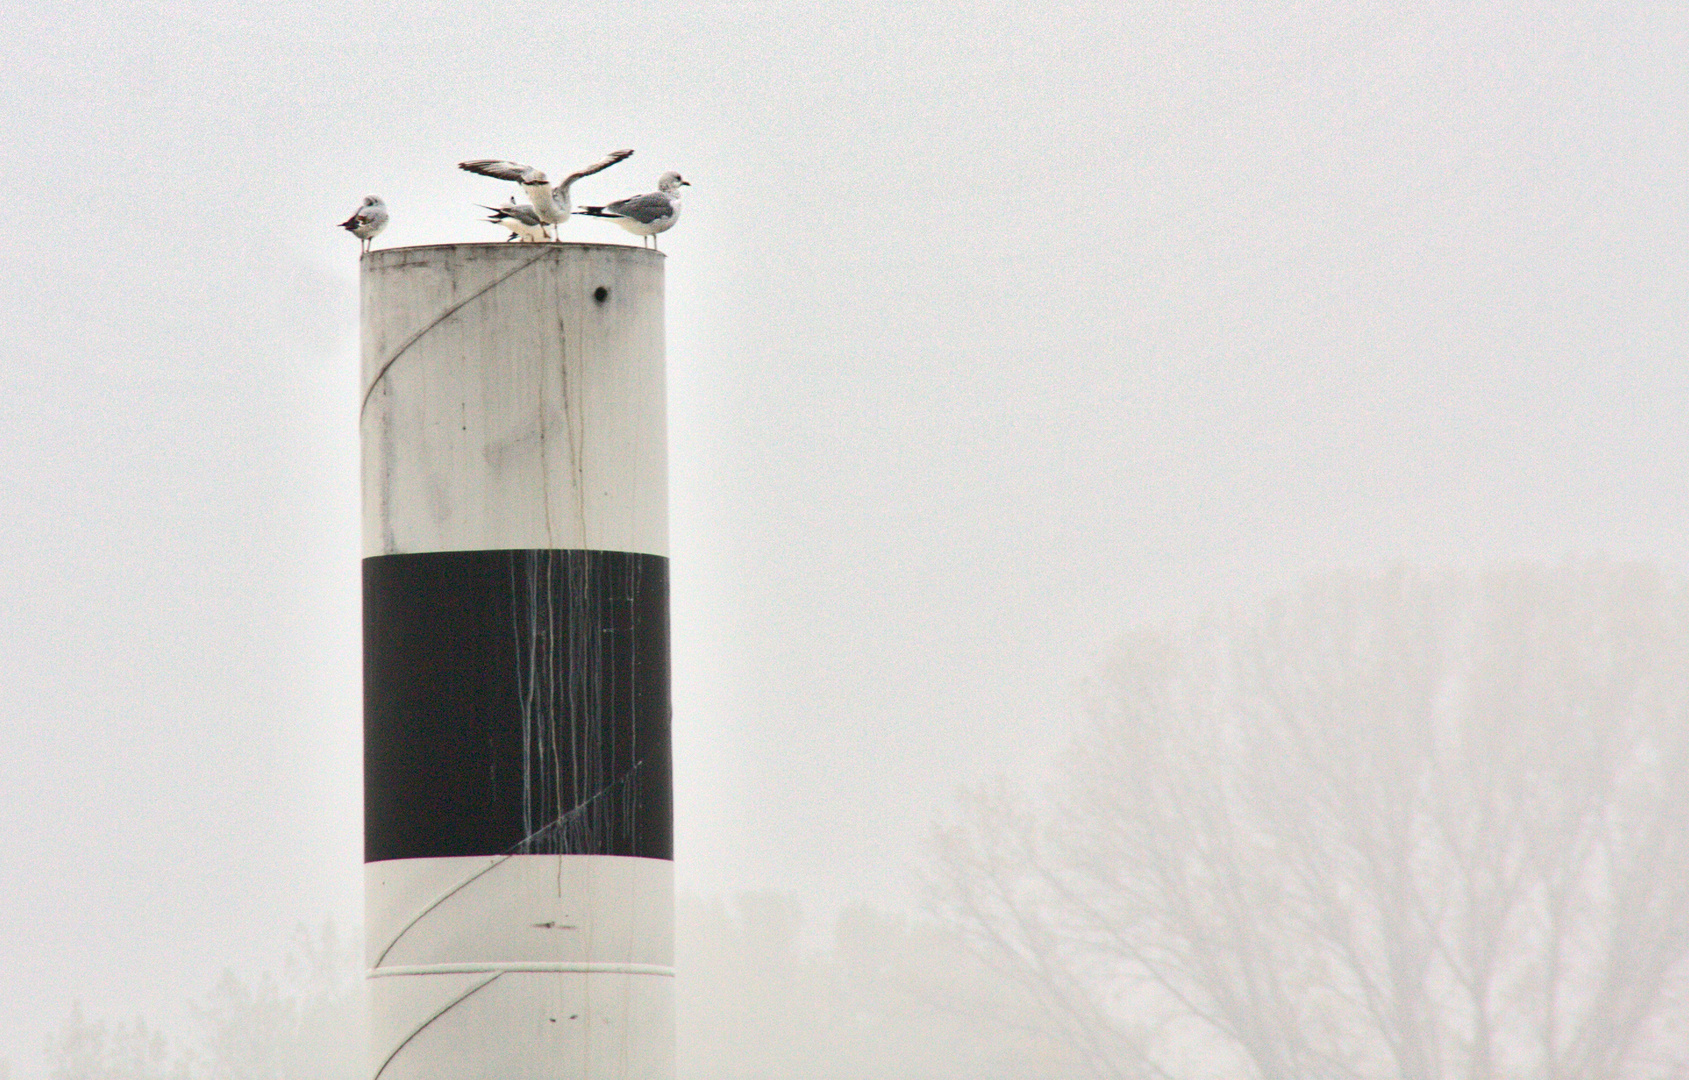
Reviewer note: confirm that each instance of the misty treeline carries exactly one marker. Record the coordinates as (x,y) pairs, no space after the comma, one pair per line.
(1412,825)
(305,1021)
(1407,826)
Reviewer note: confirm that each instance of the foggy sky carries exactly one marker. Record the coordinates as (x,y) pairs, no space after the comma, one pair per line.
(991,332)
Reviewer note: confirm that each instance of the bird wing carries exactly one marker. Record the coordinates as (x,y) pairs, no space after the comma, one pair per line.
(515,211)
(609,159)
(504,170)
(643,208)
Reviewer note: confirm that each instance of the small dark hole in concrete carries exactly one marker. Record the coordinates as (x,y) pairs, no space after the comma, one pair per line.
(601,294)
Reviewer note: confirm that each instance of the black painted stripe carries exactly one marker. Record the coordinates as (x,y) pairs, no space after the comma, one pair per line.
(516,702)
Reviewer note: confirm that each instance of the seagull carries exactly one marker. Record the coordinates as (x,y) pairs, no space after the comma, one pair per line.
(370,219)
(646,215)
(550,204)
(519,218)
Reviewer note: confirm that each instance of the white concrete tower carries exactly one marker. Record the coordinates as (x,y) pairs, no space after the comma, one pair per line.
(518,836)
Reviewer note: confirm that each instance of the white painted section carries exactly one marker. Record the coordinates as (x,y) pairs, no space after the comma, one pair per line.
(505,407)
(510,1025)
(567,962)
(583,908)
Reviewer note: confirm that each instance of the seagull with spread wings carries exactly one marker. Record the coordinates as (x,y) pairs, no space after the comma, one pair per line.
(370,218)
(646,215)
(550,204)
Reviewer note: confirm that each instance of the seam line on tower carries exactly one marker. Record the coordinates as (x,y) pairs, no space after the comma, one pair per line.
(448,313)
(444,1009)
(487,967)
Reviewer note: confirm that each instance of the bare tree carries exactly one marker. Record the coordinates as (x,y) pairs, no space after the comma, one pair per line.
(1409,826)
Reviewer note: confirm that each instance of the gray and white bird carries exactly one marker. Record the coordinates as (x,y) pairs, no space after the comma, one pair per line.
(550,204)
(369,219)
(519,218)
(646,215)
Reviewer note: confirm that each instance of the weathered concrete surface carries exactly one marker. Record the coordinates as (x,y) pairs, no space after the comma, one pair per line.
(530,413)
